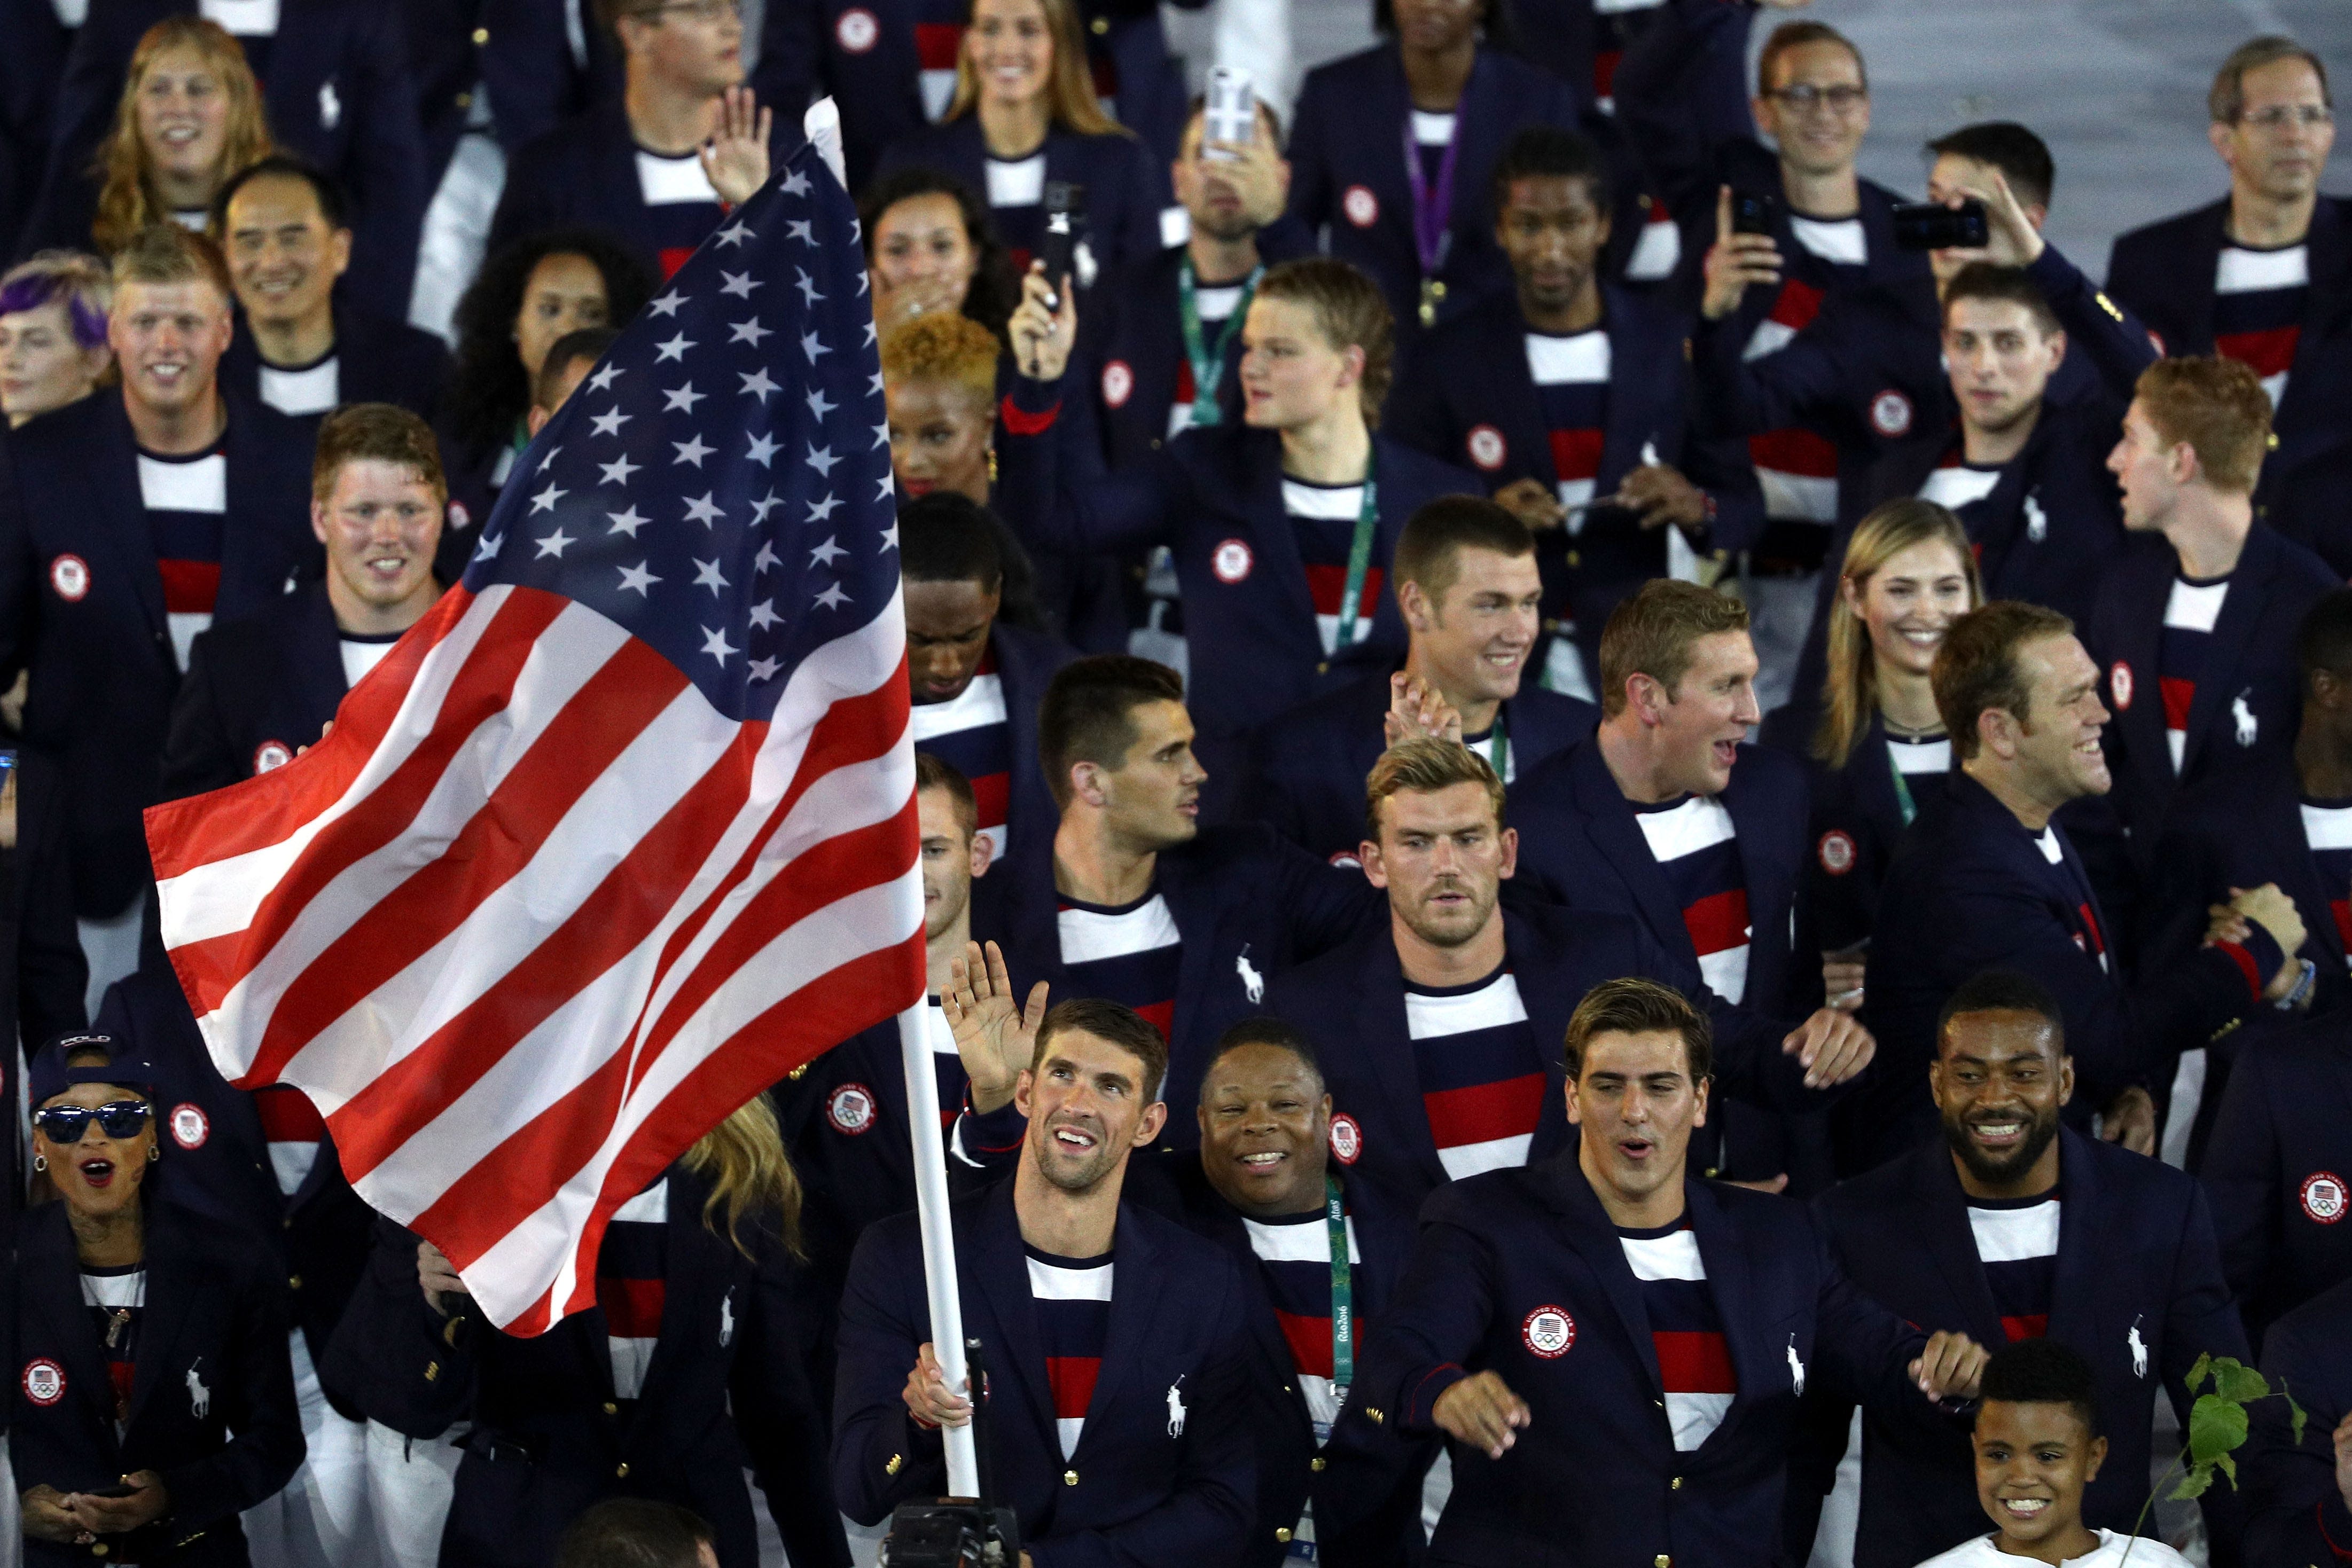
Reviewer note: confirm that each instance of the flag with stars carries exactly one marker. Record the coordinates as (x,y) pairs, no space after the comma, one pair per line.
(624,829)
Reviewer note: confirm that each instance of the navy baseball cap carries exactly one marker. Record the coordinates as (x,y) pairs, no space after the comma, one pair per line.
(50,1077)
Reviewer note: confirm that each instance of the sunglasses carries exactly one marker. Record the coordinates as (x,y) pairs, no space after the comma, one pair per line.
(117,1118)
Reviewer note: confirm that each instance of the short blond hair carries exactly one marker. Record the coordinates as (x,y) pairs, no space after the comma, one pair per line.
(1651,632)
(2215,405)
(167,253)
(1424,766)
(942,347)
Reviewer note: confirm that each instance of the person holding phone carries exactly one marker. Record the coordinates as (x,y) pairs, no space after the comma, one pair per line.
(155,1400)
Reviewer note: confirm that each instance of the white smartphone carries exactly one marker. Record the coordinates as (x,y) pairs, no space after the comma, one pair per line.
(1230,115)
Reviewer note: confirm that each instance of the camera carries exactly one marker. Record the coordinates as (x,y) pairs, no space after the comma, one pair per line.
(1926,226)
(1751,213)
(958,1531)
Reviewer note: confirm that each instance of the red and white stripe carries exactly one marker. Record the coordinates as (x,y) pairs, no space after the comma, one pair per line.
(535,916)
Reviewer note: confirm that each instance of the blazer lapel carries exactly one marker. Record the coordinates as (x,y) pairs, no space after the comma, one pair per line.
(1262,511)
(1525,955)
(1135,1290)
(1872,768)
(2084,1225)
(1634,361)
(1595,1240)
(1754,1366)
(1945,1231)
(119,513)
(55,1313)
(1768,883)
(1610,824)
(2242,607)
(998,1262)
(317,656)
(171,1283)
(1386,1038)
(2146,584)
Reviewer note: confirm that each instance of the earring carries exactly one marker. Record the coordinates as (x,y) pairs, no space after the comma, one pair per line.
(992,465)
(40,1162)
(154,1153)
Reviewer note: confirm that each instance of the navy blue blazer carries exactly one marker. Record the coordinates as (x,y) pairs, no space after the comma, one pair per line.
(49,978)
(376,360)
(1247,905)
(1312,762)
(29,68)
(258,690)
(2249,702)
(212,1406)
(218,1157)
(583,173)
(1127,190)
(1857,821)
(1510,1263)
(2279,1167)
(2138,1290)
(1351,1003)
(1347,171)
(1970,891)
(1143,1487)
(337,91)
(545,62)
(1366,1487)
(1469,398)
(104,673)
(2164,271)
(549,1440)
(1214,498)
(2298,1514)
(1026,662)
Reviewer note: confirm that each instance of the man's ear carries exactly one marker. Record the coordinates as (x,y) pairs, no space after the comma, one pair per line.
(1022,1088)
(2220,136)
(983,855)
(319,521)
(1147,1126)
(536,419)
(2093,1457)
(1368,855)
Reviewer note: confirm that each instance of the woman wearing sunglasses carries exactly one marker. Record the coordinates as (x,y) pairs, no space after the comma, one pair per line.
(147,1335)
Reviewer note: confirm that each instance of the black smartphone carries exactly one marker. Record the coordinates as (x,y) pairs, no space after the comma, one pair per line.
(1926,226)
(1066,218)
(126,1490)
(1751,213)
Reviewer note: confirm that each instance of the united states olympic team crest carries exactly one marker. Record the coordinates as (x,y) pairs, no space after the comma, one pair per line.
(45,1381)
(1549,1331)
(2323,1197)
(190,1125)
(850,1108)
(1347,1139)
(1837,852)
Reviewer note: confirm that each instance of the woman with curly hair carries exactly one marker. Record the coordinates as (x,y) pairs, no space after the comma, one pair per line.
(930,247)
(526,297)
(189,117)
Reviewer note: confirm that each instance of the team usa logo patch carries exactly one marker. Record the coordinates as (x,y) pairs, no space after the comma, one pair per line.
(271,754)
(1486,446)
(2119,685)
(850,1108)
(190,1125)
(858,31)
(1549,1331)
(1347,1139)
(1890,413)
(1118,383)
(1363,208)
(45,1381)
(461,516)
(1836,852)
(2323,1197)
(1231,561)
(70,575)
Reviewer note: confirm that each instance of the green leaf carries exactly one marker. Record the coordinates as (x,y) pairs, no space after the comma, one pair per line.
(2235,1381)
(2229,1468)
(2193,1484)
(2216,1426)
(2296,1415)
(2197,1373)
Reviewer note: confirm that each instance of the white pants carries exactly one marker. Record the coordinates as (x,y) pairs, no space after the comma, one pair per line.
(110,947)
(1779,619)
(1841,1510)
(456,230)
(409,1483)
(320,1519)
(12,1525)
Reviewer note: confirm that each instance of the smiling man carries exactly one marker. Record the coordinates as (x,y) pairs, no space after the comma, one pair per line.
(1119,1424)
(1667,815)
(1616,1348)
(1988,879)
(1471,596)
(2010,1228)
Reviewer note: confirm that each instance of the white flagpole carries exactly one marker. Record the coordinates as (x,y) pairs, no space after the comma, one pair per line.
(938,1237)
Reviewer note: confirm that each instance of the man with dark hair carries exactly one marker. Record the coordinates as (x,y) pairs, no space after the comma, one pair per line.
(1667,814)
(128,520)
(977,679)
(1987,879)
(2010,1227)
(568,360)
(1138,903)
(2263,275)
(263,688)
(287,236)
(2299,1494)
(1119,1426)
(1616,1348)
(658,166)
(1570,399)
(1467,585)
(637,1532)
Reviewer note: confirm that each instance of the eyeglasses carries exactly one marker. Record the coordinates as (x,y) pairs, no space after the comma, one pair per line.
(1804,97)
(2279,116)
(707,12)
(117,1118)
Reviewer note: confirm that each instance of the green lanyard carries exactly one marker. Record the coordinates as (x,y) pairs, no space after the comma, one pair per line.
(1498,748)
(1343,1317)
(1359,559)
(1902,791)
(1208,368)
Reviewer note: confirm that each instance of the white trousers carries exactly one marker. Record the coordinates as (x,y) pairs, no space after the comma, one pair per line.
(110,947)
(320,1519)
(409,1483)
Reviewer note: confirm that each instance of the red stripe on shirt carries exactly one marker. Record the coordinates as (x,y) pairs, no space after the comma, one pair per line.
(1072,1378)
(2032,1325)
(992,793)
(1311,1343)
(2269,352)
(672,257)
(1481,1112)
(190,587)
(1576,454)
(1326,585)
(1694,1361)
(1797,451)
(936,43)
(1797,305)
(286,1115)
(2178,696)
(633,1308)
(1719,923)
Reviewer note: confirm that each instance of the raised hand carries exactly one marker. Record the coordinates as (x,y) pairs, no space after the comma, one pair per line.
(1734,262)
(1831,1046)
(1042,335)
(735,158)
(1418,711)
(1951,1367)
(996,1040)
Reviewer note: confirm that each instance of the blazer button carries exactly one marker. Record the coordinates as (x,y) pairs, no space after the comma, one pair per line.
(293,1282)
(1323,667)
(1069,1477)
(1575,558)
(1373,1414)
(1315,1464)
(1282,1533)
(612,1407)
(98,1548)
(621,1472)
(464,101)
(1101,26)
(481,36)
(892,1468)
(1677,1485)
(431,1371)
(1662,1561)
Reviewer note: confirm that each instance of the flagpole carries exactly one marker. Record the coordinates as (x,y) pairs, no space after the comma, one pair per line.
(939,1236)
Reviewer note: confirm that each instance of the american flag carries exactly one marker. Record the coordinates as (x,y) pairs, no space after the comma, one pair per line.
(624,829)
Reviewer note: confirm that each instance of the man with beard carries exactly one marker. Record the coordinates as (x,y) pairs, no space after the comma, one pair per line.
(1437,1029)
(2013,1227)
(1988,879)
(1120,1423)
